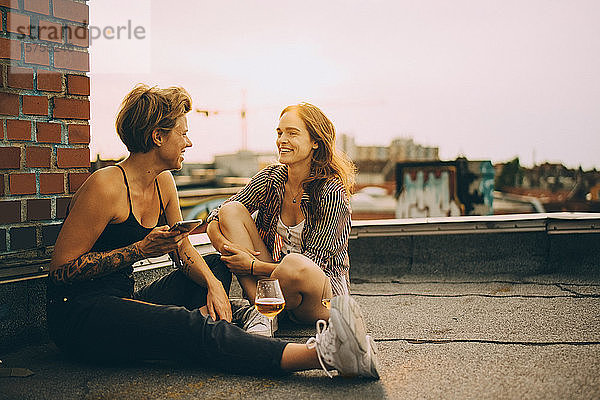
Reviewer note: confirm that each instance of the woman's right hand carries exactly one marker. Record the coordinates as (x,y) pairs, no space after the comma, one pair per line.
(161,241)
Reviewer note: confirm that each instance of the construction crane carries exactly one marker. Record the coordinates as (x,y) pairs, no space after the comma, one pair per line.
(242,112)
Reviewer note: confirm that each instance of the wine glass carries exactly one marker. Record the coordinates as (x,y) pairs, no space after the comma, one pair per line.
(269,299)
(326,295)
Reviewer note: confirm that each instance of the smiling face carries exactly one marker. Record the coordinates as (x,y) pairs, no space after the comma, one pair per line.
(173,144)
(294,143)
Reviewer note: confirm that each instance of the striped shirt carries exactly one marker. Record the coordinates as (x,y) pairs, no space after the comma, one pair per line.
(325,235)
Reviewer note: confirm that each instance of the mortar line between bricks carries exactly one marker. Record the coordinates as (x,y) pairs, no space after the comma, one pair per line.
(517,296)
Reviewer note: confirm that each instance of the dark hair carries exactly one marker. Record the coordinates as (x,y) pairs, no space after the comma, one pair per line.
(146,109)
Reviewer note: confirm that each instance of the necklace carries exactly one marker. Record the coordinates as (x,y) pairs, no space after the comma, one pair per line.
(296,195)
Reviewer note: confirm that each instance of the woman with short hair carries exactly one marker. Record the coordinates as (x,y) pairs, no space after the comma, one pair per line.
(121,215)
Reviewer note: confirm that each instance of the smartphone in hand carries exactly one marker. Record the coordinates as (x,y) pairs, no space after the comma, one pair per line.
(186,226)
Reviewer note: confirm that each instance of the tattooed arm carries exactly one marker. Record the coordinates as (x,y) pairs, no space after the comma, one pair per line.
(193,265)
(94,264)
(98,202)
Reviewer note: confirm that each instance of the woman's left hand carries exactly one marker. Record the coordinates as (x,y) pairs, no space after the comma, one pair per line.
(239,261)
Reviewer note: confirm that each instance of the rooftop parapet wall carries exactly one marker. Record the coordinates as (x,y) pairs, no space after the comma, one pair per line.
(526,244)
(44,130)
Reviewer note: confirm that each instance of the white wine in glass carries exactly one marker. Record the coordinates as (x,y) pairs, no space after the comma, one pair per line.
(269,299)
(326,295)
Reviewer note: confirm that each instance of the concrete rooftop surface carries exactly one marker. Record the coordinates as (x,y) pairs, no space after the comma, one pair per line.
(496,337)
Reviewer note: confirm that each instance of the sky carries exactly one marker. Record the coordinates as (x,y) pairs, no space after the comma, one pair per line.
(490,80)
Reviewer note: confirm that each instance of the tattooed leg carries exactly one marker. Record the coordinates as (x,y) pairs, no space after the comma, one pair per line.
(94,264)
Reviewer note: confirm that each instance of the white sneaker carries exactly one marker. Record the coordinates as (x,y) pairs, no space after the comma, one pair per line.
(249,319)
(344,344)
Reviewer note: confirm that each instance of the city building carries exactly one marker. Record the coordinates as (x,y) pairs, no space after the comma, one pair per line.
(244,163)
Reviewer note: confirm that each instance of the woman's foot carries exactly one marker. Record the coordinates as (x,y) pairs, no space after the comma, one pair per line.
(245,315)
(344,344)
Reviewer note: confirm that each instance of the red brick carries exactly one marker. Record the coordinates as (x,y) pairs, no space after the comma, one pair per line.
(38,209)
(21,78)
(10,157)
(22,183)
(37,53)
(71,59)
(50,31)
(38,157)
(17,23)
(9,3)
(10,49)
(35,105)
(49,80)
(62,204)
(9,104)
(79,133)
(37,6)
(52,183)
(18,129)
(23,238)
(71,10)
(78,84)
(71,108)
(50,234)
(10,212)
(76,179)
(48,132)
(73,158)
(78,35)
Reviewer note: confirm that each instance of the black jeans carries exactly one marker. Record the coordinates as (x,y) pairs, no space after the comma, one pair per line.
(159,322)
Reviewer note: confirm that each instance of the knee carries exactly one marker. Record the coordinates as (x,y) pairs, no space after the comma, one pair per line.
(231,211)
(293,269)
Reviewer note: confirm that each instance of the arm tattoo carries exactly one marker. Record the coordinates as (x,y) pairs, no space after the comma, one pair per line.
(186,264)
(94,264)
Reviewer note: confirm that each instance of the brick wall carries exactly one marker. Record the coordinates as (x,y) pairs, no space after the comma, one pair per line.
(44,131)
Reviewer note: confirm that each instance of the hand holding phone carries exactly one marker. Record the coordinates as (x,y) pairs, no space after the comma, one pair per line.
(186,226)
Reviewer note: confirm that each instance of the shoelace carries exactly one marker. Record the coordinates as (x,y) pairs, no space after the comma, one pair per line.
(322,337)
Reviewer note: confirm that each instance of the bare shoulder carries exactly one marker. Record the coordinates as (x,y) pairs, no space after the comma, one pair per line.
(166,183)
(166,179)
(104,185)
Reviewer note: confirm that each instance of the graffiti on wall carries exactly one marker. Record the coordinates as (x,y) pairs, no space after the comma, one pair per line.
(428,192)
(443,189)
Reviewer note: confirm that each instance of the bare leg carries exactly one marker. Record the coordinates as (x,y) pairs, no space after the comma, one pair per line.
(298,357)
(303,284)
(237,226)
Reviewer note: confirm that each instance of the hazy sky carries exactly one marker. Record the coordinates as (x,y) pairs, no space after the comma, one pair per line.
(487,79)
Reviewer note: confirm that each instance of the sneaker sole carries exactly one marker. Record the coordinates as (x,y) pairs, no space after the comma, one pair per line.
(374,367)
(349,313)
(345,313)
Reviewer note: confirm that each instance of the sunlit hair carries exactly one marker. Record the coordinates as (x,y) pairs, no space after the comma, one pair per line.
(326,161)
(146,109)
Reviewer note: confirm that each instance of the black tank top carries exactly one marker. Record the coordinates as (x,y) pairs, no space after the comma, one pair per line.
(129,231)
(114,236)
